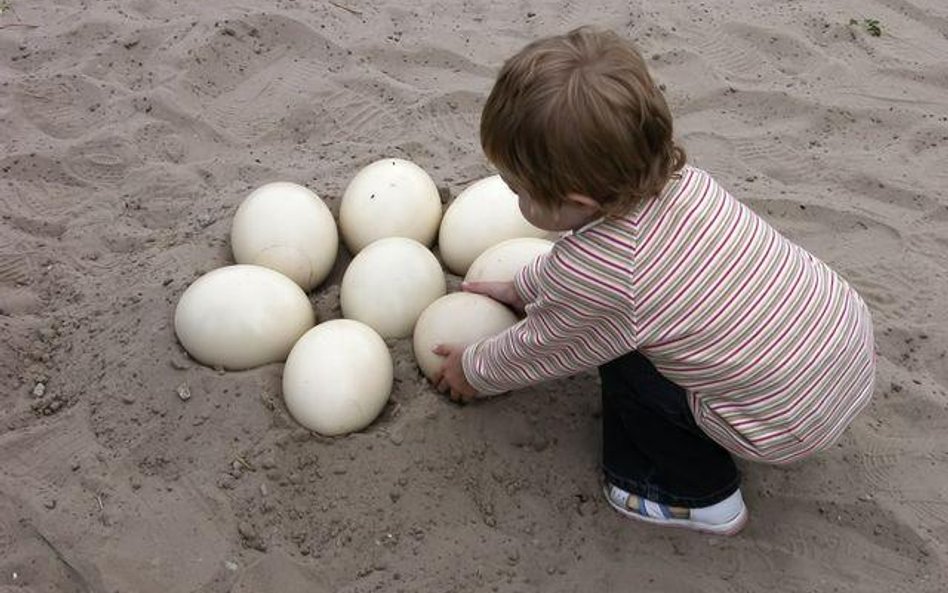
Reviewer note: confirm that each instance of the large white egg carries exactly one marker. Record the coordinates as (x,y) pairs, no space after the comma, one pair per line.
(240,317)
(338,377)
(483,215)
(389,198)
(286,227)
(460,318)
(503,261)
(389,283)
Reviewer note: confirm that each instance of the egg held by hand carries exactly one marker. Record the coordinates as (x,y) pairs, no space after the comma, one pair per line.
(460,319)
(389,283)
(288,228)
(338,377)
(239,317)
(503,261)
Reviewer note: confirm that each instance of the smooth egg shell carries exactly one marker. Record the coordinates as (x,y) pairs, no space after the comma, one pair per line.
(389,283)
(461,319)
(240,317)
(288,228)
(338,377)
(389,198)
(503,261)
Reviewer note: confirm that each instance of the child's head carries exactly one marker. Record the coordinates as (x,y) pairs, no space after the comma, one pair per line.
(579,114)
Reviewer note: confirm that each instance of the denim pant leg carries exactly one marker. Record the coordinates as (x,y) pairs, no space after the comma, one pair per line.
(652,446)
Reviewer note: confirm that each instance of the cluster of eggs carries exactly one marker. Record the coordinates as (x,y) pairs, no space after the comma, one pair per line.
(339,374)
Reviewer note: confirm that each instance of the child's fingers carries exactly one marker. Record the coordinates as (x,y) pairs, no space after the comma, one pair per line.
(486,288)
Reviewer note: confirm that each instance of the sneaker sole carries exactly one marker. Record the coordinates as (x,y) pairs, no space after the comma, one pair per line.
(732,527)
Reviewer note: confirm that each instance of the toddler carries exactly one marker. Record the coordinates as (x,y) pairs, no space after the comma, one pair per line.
(714,335)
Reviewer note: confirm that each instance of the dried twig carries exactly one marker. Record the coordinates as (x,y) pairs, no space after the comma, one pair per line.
(5,7)
(346,8)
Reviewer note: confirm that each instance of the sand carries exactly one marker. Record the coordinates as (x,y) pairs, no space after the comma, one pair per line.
(132,130)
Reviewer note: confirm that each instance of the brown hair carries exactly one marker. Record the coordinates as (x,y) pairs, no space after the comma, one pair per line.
(579,113)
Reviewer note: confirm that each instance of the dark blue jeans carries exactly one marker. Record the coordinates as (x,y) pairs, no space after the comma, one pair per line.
(651,445)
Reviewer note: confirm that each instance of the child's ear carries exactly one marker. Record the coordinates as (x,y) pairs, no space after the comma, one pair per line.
(583,201)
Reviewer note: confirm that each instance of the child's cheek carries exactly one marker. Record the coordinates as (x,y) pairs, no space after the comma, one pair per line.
(530,211)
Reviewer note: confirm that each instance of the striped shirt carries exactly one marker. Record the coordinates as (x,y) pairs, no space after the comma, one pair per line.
(774,350)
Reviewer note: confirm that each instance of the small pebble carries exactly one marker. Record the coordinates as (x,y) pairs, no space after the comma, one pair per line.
(246,530)
(268,460)
(513,557)
(39,390)
(180,365)
(50,504)
(184,392)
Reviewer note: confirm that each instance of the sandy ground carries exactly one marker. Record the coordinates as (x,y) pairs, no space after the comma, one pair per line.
(132,130)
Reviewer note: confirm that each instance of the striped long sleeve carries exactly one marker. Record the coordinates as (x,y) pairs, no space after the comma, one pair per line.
(774,349)
(578,316)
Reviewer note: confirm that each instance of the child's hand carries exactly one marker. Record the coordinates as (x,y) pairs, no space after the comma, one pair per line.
(451,376)
(502,292)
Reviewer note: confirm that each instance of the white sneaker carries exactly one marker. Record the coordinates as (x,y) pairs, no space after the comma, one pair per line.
(724,518)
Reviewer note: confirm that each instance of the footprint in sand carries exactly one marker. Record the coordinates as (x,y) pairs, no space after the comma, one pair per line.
(16,269)
(340,115)
(744,52)
(452,117)
(63,105)
(41,196)
(101,162)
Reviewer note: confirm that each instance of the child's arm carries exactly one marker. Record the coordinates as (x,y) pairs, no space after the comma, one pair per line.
(579,315)
(516,295)
(502,292)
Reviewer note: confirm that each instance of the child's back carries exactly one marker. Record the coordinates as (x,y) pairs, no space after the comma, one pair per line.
(712,332)
(774,349)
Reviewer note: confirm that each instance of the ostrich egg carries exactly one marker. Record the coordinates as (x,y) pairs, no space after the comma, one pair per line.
(503,261)
(389,198)
(389,283)
(460,318)
(483,215)
(338,377)
(242,316)
(286,227)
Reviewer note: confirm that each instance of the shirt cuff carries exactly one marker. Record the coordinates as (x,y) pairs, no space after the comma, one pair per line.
(469,366)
